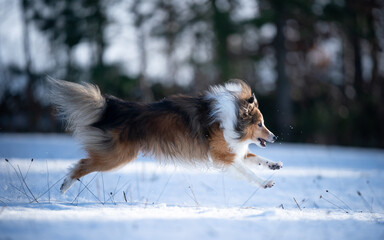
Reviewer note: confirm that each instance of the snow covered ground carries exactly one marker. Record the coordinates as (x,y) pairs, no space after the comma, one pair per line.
(321,193)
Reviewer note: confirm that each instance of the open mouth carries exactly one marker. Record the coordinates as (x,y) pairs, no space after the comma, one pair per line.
(262,142)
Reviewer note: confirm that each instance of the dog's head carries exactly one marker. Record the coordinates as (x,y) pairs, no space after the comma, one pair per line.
(250,122)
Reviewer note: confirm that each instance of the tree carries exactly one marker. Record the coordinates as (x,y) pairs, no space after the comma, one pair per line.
(69,22)
(96,22)
(283,86)
(140,20)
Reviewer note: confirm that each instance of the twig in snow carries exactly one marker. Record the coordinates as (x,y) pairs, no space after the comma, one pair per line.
(98,188)
(79,190)
(165,186)
(129,191)
(369,207)
(113,201)
(257,189)
(112,194)
(5,204)
(138,185)
(2,210)
(194,196)
(297,204)
(49,191)
(3,207)
(321,197)
(8,173)
(5,199)
(27,185)
(254,192)
(339,199)
(365,202)
(49,188)
(118,180)
(117,191)
(25,177)
(125,197)
(374,194)
(21,192)
(130,196)
(20,179)
(85,186)
(102,179)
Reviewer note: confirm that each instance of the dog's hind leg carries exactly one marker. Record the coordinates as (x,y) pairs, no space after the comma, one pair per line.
(257,160)
(80,169)
(120,155)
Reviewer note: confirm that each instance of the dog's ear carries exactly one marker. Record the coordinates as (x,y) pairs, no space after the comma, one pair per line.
(253,101)
(248,106)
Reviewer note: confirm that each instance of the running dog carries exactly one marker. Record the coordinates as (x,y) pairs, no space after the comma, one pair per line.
(214,127)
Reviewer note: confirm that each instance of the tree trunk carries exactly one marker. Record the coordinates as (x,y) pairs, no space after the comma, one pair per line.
(283,99)
(146,91)
(33,112)
(354,36)
(25,29)
(222,29)
(100,41)
(358,79)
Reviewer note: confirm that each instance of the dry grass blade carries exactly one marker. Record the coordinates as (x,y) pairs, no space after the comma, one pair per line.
(339,199)
(297,204)
(321,197)
(26,185)
(86,185)
(49,189)
(29,167)
(254,192)
(165,186)
(19,177)
(22,192)
(125,197)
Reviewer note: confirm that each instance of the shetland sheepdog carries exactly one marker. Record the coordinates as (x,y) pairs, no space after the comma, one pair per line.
(214,128)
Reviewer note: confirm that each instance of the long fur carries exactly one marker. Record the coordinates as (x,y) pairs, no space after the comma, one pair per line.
(80,105)
(216,126)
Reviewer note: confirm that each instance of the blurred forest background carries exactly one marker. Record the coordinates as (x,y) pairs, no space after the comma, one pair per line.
(316,66)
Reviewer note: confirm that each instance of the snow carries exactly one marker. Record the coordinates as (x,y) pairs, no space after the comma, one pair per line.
(323,192)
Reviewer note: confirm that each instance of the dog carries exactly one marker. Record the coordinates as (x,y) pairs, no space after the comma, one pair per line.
(214,128)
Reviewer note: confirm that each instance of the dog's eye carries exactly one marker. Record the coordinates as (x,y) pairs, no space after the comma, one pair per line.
(260,124)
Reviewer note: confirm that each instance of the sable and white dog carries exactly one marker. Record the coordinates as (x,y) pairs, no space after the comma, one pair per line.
(215,127)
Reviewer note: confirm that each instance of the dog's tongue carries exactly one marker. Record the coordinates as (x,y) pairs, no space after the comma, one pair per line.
(262,142)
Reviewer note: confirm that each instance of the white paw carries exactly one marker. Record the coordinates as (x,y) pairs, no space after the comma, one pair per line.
(269,184)
(275,166)
(67,183)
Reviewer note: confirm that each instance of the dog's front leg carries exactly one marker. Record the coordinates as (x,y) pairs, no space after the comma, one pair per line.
(247,173)
(254,159)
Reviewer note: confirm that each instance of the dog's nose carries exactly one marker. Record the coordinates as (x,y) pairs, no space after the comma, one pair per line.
(271,138)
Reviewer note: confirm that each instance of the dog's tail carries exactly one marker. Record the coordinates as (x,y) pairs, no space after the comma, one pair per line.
(80,105)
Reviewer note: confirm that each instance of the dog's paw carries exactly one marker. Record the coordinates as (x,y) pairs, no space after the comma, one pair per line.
(67,183)
(275,166)
(269,184)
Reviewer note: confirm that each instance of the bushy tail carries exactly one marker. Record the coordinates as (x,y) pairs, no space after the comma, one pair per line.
(80,105)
